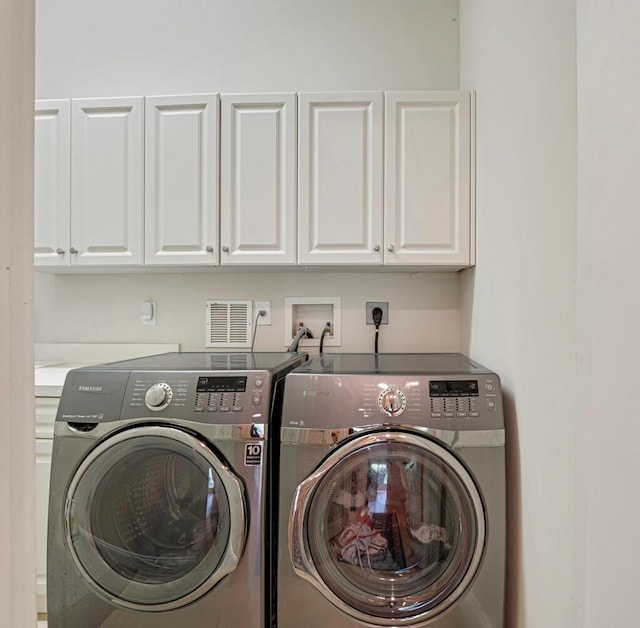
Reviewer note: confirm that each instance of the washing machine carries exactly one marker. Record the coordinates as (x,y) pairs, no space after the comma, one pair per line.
(392,493)
(160,512)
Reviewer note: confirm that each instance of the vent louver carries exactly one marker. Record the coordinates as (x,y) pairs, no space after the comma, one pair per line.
(228,323)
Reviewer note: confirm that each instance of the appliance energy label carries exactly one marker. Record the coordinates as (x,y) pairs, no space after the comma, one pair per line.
(252,454)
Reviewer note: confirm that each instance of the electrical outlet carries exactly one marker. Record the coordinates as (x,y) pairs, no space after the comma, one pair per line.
(266,306)
(383,305)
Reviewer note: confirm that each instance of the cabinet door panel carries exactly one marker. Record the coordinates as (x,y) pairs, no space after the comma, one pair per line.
(106,185)
(46,410)
(52,154)
(43,471)
(257,185)
(428,178)
(340,178)
(181,192)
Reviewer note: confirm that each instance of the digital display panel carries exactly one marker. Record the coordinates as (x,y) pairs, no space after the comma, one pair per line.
(454,388)
(221,384)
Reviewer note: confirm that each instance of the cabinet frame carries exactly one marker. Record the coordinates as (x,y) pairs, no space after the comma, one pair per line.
(349,179)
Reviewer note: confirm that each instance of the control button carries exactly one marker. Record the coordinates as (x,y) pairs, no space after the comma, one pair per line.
(236,409)
(461,414)
(491,404)
(489,386)
(448,415)
(257,398)
(474,414)
(436,415)
(212,408)
(199,409)
(258,382)
(158,396)
(225,409)
(392,401)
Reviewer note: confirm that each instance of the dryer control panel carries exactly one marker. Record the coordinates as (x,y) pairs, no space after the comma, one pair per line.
(466,398)
(445,401)
(448,402)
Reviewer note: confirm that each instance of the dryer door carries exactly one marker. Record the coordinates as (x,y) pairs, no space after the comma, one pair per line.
(154,518)
(390,528)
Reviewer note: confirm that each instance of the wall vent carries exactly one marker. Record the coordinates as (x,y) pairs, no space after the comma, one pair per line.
(228,323)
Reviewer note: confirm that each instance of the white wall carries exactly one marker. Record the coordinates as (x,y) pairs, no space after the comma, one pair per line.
(608,513)
(161,47)
(519,302)
(424,309)
(17,458)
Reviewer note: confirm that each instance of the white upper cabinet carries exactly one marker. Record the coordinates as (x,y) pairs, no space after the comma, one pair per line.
(428,218)
(52,182)
(340,178)
(106,181)
(181,191)
(316,178)
(258,179)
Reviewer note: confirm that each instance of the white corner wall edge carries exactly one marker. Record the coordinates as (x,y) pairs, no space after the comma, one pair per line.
(17,452)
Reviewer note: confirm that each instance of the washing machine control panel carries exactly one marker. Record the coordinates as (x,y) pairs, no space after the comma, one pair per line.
(204,397)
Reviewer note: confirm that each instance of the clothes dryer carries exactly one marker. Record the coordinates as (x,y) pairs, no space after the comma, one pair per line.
(160,507)
(392,493)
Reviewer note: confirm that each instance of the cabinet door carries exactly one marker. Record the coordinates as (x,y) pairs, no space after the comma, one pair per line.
(52,154)
(43,471)
(428,178)
(257,179)
(181,179)
(46,410)
(106,181)
(340,178)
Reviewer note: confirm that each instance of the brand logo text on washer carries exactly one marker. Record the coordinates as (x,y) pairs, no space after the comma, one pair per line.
(315,393)
(89,388)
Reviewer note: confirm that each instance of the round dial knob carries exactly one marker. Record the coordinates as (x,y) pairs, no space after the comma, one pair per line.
(158,396)
(392,401)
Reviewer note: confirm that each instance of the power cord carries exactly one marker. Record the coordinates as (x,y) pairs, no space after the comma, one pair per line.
(376,315)
(255,327)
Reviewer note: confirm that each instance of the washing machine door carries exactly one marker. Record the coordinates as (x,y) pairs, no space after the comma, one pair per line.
(154,518)
(390,528)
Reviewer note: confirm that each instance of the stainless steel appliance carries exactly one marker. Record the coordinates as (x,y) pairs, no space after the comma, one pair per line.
(392,493)
(160,508)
